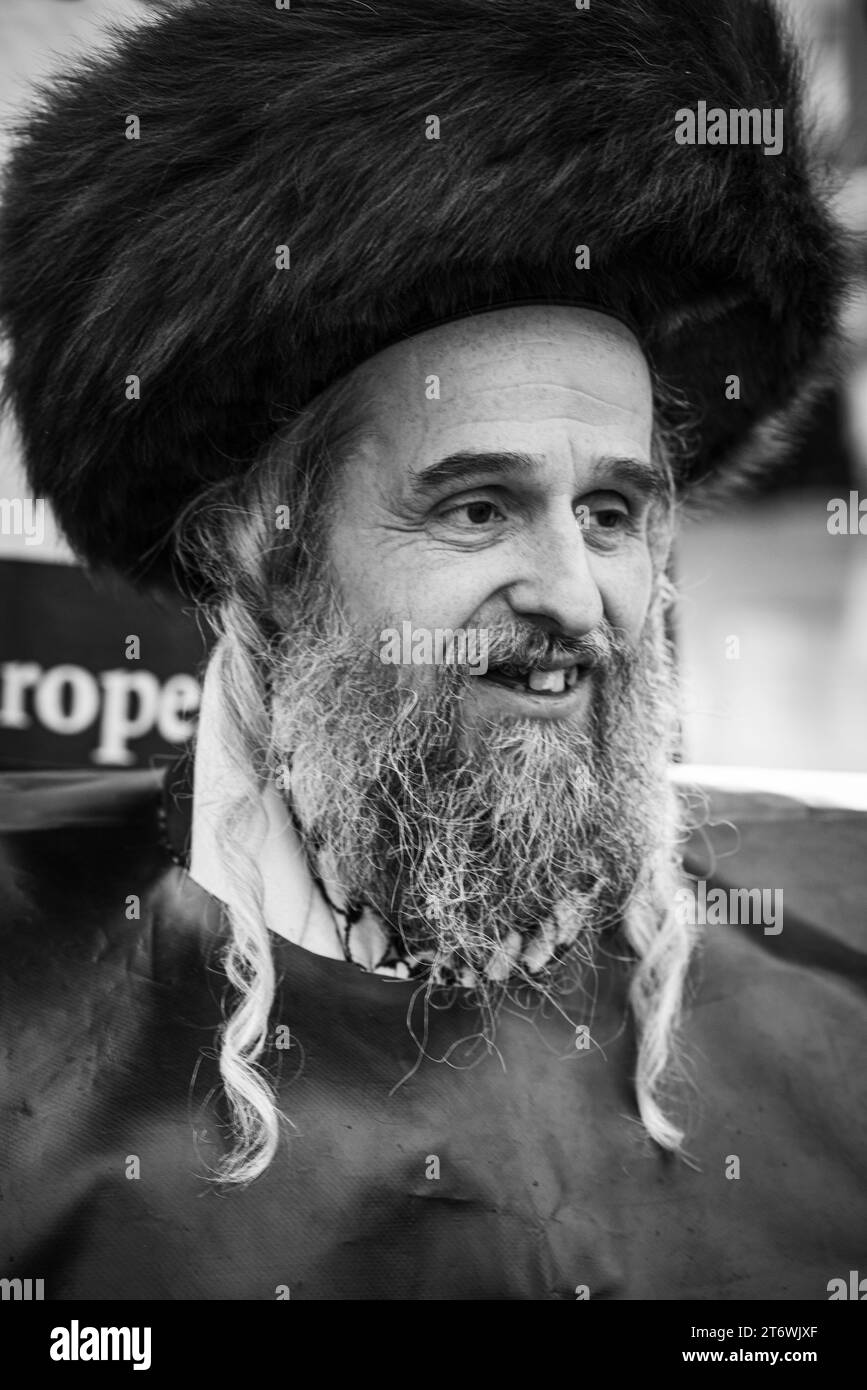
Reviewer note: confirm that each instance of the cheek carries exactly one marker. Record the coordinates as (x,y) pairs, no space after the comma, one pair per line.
(355,565)
(377,581)
(385,576)
(358,579)
(433,593)
(626,587)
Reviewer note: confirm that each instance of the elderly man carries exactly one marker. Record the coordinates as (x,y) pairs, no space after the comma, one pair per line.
(381,330)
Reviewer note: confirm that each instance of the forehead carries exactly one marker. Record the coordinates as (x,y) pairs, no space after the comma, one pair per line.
(541,376)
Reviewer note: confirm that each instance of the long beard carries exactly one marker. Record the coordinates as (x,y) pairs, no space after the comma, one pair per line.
(489,853)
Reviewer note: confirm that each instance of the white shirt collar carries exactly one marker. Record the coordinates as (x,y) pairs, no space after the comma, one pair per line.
(294,906)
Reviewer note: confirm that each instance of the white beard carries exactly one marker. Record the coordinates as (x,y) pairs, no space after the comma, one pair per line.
(488,858)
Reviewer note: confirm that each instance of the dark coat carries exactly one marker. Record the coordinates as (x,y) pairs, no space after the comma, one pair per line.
(546,1181)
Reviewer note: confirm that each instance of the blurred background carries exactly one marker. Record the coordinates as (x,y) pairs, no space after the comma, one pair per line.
(772,626)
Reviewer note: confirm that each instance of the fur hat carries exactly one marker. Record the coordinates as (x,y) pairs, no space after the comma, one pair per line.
(151,247)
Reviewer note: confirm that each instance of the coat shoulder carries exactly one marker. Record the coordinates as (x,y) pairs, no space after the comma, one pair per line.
(808,863)
(88,873)
(40,801)
(70,842)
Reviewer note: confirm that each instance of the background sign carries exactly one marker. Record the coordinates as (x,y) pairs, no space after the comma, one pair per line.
(91,675)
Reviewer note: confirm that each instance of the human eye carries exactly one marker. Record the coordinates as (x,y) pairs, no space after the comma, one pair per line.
(471,513)
(607,514)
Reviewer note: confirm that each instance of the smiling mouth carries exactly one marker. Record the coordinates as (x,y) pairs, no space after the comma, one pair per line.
(534,680)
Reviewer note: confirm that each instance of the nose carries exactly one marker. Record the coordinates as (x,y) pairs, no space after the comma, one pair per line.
(557,588)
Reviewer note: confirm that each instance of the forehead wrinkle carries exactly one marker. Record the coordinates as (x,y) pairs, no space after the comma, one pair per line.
(511,402)
(557,387)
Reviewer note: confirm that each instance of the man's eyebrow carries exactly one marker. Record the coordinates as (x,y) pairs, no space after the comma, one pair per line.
(465,466)
(646,476)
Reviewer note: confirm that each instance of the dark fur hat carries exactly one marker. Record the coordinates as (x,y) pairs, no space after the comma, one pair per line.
(307,127)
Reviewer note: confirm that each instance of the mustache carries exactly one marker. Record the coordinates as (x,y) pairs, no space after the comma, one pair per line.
(526,644)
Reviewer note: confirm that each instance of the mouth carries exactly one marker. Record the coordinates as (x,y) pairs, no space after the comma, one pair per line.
(537,680)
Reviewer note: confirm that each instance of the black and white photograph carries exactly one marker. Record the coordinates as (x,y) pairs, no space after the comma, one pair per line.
(433,668)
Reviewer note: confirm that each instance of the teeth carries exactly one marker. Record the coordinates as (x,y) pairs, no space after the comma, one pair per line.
(571,677)
(553,681)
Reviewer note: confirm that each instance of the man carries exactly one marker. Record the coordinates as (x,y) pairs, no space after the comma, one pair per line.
(393,335)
